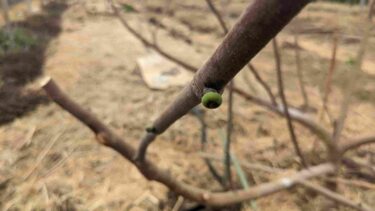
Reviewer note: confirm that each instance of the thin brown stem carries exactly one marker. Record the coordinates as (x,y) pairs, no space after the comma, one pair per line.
(335,197)
(266,87)
(201,117)
(218,16)
(285,103)
(300,72)
(355,143)
(329,78)
(323,134)
(227,147)
(145,41)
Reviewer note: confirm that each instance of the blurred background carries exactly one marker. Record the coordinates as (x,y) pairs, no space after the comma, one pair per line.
(50,161)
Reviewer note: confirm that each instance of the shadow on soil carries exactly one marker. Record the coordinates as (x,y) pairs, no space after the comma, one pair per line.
(20,66)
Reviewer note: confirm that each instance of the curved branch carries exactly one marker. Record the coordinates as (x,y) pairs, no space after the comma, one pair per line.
(335,197)
(107,137)
(355,143)
(148,43)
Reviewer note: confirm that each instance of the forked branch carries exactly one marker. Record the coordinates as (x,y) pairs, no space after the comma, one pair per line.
(107,137)
(299,117)
(259,23)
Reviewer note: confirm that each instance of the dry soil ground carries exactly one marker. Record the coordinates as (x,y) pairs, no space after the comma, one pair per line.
(49,161)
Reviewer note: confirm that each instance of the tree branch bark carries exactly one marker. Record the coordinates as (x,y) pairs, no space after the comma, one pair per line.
(299,117)
(259,23)
(107,137)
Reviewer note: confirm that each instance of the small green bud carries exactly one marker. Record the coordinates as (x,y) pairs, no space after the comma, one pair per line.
(211,99)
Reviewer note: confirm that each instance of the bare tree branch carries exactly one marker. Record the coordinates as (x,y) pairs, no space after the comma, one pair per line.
(249,65)
(255,72)
(307,122)
(147,43)
(300,73)
(297,116)
(227,152)
(335,197)
(218,16)
(285,103)
(200,116)
(328,81)
(250,34)
(355,143)
(107,137)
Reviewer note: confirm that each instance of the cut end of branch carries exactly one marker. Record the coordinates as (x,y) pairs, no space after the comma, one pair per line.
(43,81)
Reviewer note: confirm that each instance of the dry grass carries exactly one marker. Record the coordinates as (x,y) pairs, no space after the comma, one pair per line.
(94,59)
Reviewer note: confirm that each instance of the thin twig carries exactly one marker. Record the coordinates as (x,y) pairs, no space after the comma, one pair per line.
(300,73)
(218,16)
(355,143)
(329,78)
(335,197)
(255,72)
(352,182)
(178,205)
(285,103)
(200,116)
(252,166)
(227,151)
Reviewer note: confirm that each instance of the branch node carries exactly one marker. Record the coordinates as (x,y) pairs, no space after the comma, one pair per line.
(101,138)
(211,98)
(206,196)
(142,149)
(287,183)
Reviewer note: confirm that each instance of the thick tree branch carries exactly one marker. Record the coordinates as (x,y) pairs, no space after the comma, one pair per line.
(259,23)
(251,67)
(299,117)
(108,138)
